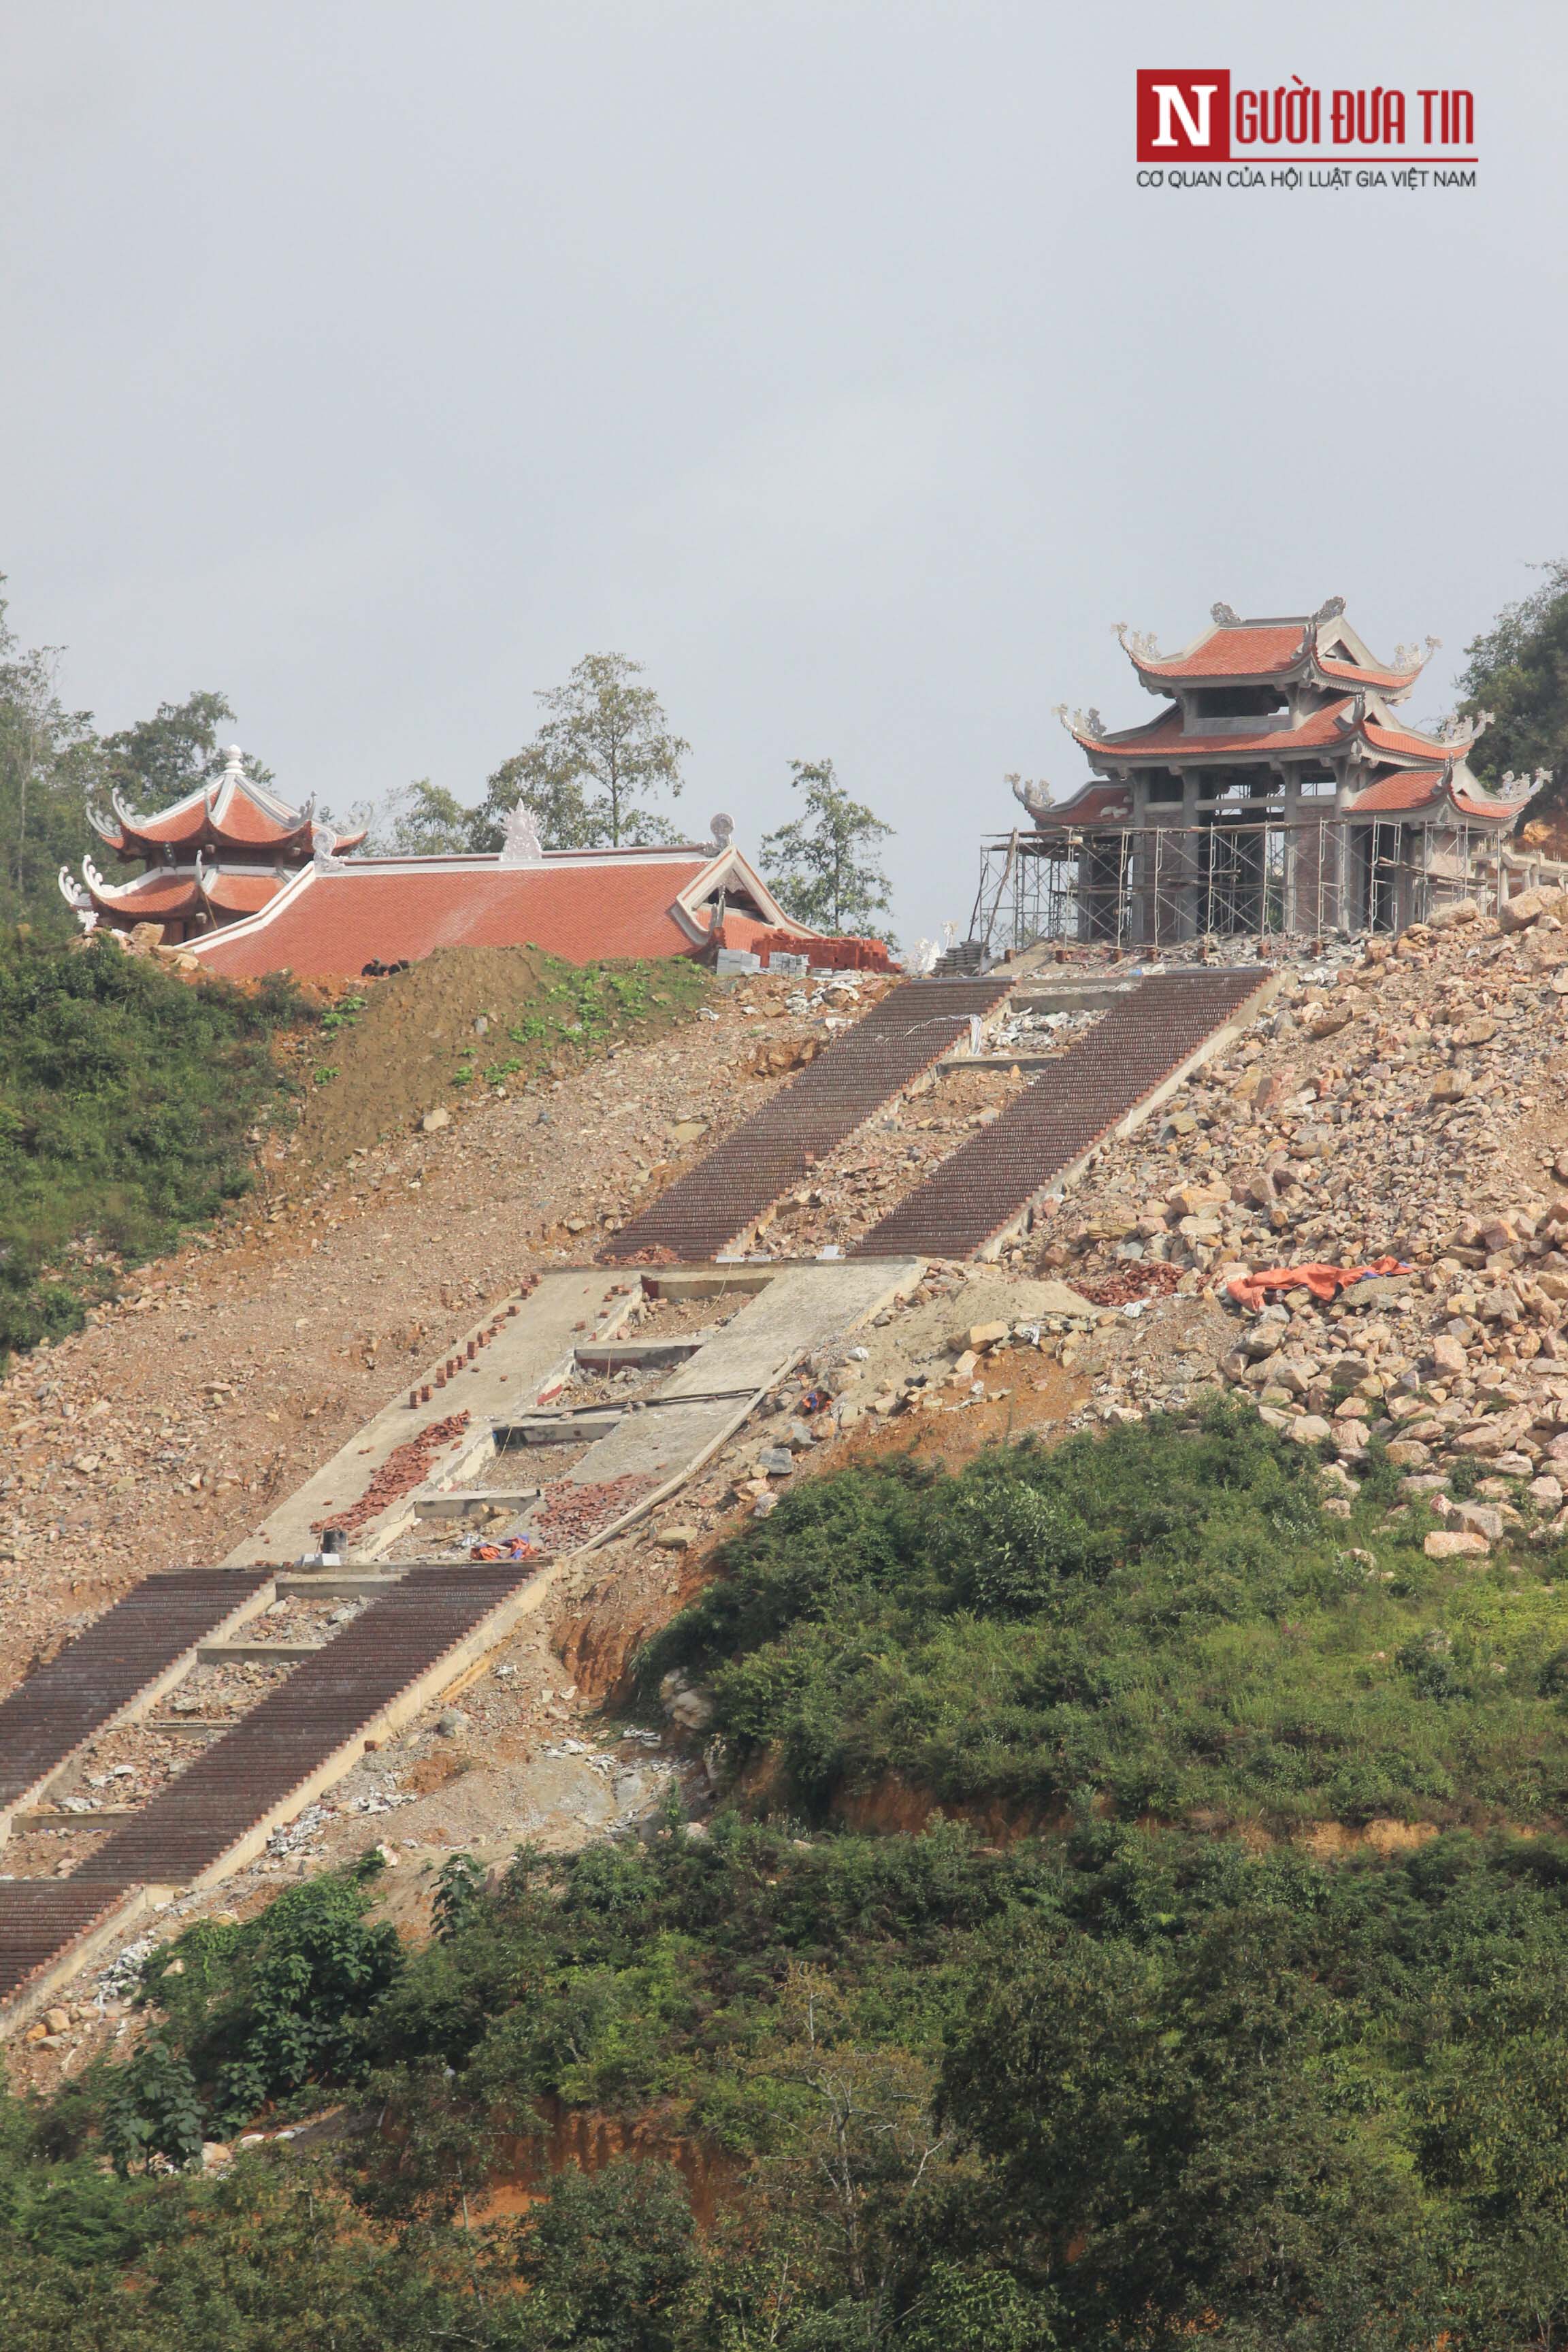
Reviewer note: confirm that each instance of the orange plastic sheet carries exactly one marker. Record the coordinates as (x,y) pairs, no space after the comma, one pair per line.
(1251,1290)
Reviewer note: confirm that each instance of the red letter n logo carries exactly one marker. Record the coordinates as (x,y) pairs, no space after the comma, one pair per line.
(1184,118)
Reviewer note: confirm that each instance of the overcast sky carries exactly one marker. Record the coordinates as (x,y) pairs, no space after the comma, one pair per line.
(374,361)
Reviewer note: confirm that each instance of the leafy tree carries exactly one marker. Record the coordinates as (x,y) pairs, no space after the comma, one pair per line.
(1517,670)
(822,867)
(265,2008)
(49,772)
(609,2261)
(159,759)
(605,747)
(553,795)
(421,820)
(458,1890)
(155,2113)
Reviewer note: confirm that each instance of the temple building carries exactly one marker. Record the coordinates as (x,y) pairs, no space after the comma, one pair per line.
(217,857)
(245,886)
(1278,791)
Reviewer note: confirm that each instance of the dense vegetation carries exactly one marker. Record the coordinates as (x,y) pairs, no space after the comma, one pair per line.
(126,1101)
(1129,2083)
(1160,1621)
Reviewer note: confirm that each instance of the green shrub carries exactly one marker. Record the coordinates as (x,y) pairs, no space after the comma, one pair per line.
(265,2009)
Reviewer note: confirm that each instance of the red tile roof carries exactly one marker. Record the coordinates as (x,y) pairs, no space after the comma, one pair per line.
(1389,681)
(840,953)
(1406,744)
(1499,812)
(1418,788)
(241,894)
(327,924)
(1097,803)
(233,817)
(1248,651)
(1162,739)
(1411,787)
(150,898)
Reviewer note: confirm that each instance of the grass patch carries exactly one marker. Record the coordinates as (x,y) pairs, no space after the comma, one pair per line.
(126,1102)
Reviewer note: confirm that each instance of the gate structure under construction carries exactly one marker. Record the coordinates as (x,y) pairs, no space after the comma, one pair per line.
(1155,886)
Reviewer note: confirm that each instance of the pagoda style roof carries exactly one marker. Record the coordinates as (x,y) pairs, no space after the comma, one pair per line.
(1413,790)
(1232,650)
(1162,742)
(1320,648)
(234,814)
(1328,722)
(1350,723)
(177,893)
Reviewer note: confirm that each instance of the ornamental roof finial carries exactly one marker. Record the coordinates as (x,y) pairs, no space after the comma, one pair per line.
(1225,615)
(1141,643)
(1034,797)
(520,845)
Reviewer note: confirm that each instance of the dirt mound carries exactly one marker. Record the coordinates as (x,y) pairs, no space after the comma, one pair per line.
(466,1020)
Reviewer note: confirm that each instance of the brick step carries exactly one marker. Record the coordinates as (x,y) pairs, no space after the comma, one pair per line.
(41,1918)
(144,1641)
(989,1181)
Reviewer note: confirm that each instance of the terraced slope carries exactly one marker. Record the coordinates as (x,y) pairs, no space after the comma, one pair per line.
(248,1776)
(129,1650)
(911,1027)
(980,1189)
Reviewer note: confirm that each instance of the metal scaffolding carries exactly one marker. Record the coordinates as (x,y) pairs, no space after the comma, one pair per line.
(1156,884)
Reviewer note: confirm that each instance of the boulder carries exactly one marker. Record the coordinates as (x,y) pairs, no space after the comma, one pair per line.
(1523,908)
(1455,1543)
(1308,1429)
(982,1336)
(1409,1453)
(434,1121)
(1447,918)
(1480,1519)
(684,1704)
(1196,1200)
(1447,1356)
